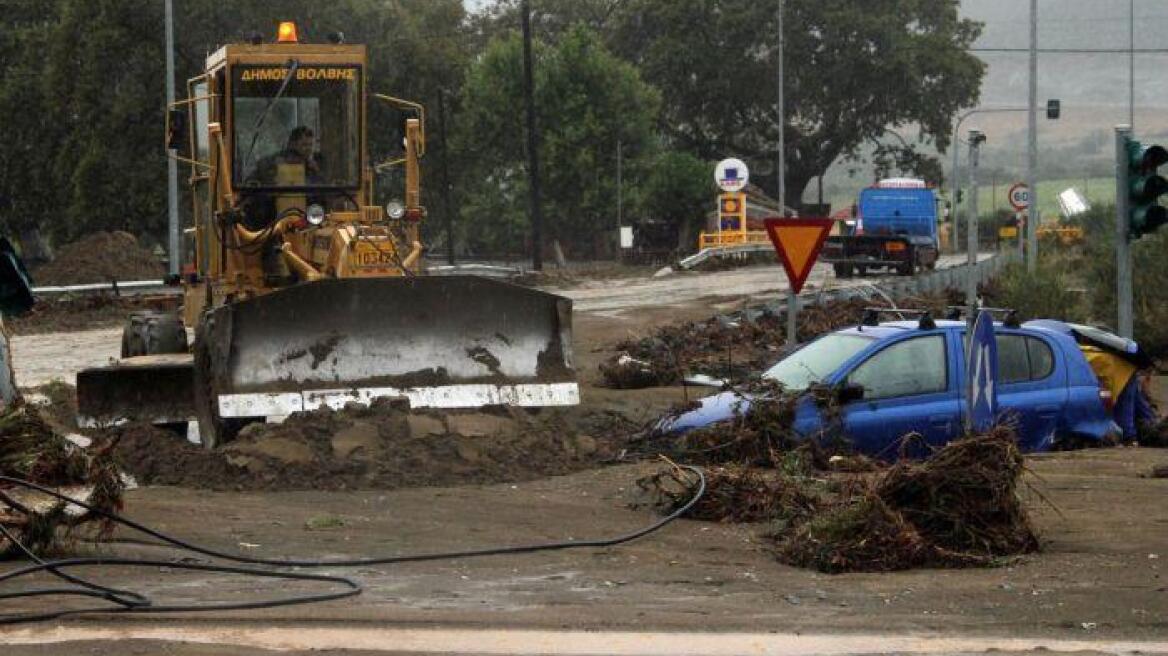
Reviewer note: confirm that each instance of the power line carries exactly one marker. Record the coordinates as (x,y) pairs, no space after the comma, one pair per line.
(1079,51)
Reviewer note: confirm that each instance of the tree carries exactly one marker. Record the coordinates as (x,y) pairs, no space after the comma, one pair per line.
(854,70)
(677,193)
(586,101)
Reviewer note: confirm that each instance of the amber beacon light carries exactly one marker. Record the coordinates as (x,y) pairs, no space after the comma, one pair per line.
(287,33)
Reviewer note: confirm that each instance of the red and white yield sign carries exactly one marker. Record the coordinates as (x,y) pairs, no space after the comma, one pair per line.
(798,242)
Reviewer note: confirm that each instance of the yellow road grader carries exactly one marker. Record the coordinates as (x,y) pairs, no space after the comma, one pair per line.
(303,291)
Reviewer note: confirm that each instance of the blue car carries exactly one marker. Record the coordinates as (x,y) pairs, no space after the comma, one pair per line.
(902,377)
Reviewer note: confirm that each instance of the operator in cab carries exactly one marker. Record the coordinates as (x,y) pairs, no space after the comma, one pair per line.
(297,165)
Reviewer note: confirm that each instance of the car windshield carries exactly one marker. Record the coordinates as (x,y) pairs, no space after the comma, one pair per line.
(814,362)
(306,136)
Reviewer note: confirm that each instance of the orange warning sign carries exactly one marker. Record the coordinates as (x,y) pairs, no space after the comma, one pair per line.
(798,242)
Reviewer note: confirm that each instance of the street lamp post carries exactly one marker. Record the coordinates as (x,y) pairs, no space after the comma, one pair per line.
(976,138)
(956,170)
(171,163)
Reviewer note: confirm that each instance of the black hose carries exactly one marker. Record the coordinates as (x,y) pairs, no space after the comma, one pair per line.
(124,601)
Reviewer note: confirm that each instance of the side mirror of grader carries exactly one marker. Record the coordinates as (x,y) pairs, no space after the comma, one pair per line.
(177,138)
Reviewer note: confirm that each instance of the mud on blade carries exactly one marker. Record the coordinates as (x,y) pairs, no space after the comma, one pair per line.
(450,341)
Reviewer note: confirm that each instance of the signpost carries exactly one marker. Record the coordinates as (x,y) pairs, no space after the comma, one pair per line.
(797,243)
(981,375)
(1019,196)
(731,175)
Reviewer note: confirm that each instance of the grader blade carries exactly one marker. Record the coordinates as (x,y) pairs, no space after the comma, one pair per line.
(149,388)
(438,342)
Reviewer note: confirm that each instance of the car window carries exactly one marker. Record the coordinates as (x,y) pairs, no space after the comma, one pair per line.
(1013,360)
(915,366)
(814,362)
(1021,358)
(1041,358)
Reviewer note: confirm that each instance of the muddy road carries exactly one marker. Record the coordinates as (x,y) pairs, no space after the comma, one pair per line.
(41,358)
(1100,581)
(1100,585)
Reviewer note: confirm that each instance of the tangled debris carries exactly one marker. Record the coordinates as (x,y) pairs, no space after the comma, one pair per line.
(760,434)
(735,348)
(733,494)
(958,508)
(31,450)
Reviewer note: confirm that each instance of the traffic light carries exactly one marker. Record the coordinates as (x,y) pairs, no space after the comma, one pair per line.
(732,211)
(1053,109)
(1145,214)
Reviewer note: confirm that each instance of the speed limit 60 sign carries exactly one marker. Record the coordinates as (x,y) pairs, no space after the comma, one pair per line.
(1019,196)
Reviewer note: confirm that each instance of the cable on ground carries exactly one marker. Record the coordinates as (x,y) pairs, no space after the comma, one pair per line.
(126,601)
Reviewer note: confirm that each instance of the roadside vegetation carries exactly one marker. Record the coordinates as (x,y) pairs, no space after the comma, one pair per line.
(1077,283)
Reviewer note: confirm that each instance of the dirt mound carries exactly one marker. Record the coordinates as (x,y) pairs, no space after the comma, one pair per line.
(382,447)
(733,348)
(100,257)
(68,313)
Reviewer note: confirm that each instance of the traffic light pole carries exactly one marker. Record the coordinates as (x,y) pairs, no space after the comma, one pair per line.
(1123,259)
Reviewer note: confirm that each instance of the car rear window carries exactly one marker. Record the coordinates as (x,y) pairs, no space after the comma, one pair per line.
(1022,358)
(814,362)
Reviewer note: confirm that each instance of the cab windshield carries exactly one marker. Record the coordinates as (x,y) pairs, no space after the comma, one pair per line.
(306,137)
(816,361)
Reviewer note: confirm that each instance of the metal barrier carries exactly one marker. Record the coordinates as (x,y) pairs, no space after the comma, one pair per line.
(933,281)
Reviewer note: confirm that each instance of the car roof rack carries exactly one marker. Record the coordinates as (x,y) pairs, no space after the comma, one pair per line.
(872,316)
(1010,318)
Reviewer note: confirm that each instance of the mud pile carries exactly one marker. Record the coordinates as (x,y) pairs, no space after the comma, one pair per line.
(31,450)
(732,348)
(381,447)
(100,257)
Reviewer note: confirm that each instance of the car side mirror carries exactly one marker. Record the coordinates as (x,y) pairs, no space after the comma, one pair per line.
(849,392)
(177,138)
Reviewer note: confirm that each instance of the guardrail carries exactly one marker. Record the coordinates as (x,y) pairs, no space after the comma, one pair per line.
(954,277)
(132,287)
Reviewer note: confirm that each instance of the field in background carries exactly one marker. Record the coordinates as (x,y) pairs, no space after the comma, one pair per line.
(992,197)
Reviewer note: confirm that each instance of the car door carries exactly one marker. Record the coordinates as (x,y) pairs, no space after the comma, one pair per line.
(1032,390)
(908,387)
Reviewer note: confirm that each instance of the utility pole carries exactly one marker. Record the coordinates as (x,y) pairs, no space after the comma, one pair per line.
(1033,216)
(532,143)
(956,171)
(446,204)
(792,297)
(619,198)
(1131,63)
(173,257)
(781,168)
(1123,259)
(975,139)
